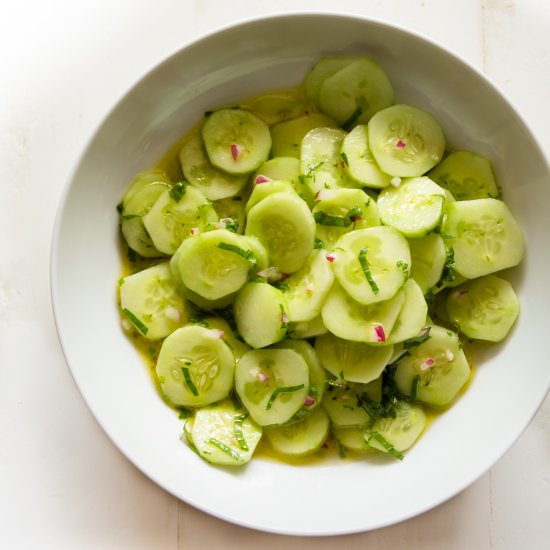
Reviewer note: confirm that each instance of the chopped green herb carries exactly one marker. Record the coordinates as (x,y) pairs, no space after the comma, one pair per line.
(119,207)
(231,224)
(178,191)
(318,244)
(282,286)
(246,254)
(278,391)
(386,444)
(189,381)
(199,320)
(344,158)
(448,274)
(238,429)
(226,449)
(136,322)
(424,336)
(414,385)
(348,124)
(404,266)
(351,216)
(184,413)
(129,216)
(366,270)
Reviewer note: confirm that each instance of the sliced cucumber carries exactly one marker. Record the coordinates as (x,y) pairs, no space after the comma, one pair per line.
(341,402)
(287,136)
(308,329)
(195,367)
(238,347)
(412,317)
(352,361)
(143,179)
(348,319)
(372,264)
(272,384)
(140,201)
(352,439)
(434,371)
(284,224)
(485,308)
(428,257)
(225,435)
(466,175)
(414,208)
(405,141)
(359,163)
(484,236)
(273,108)
(320,161)
(214,264)
(325,67)
(395,435)
(151,302)
(356,92)
(178,214)
(199,171)
(236,141)
(308,287)
(260,313)
(317,375)
(264,189)
(300,438)
(339,211)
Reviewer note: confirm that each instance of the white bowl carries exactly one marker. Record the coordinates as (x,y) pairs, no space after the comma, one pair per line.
(337,496)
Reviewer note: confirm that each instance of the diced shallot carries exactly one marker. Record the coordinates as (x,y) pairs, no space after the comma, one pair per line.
(428,363)
(235,151)
(262,376)
(380,334)
(173,313)
(308,401)
(217,333)
(332,257)
(261,179)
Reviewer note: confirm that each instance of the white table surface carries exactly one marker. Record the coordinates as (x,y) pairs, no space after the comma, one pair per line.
(63,484)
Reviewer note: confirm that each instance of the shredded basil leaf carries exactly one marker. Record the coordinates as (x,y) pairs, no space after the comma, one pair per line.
(348,124)
(246,254)
(136,321)
(184,413)
(278,391)
(344,157)
(424,336)
(189,381)
(386,444)
(225,448)
(366,270)
(178,191)
(414,385)
(238,429)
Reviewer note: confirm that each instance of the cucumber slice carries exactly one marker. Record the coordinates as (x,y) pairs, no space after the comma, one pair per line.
(224,435)
(352,361)
(177,214)
(284,224)
(236,141)
(199,172)
(300,438)
(140,201)
(356,92)
(214,264)
(466,175)
(359,163)
(405,141)
(150,300)
(273,108)
(231,214)
(287,136)
(485,308)
(325,67)
(308,287)
(317,375)
(143,179)
(484,236)
(342,404)
(320,161)
(238,347)
(428,257)
(339,211)
(352,439)
(272,384)
(260,313)
(348,319)
(434,371)
(412,317)
(414,208)
(372,264)
(264,189)
(395,435)
(308,329)
(195,367)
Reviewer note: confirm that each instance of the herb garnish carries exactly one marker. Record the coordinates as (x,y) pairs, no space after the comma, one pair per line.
(366,270)
(278,391)
(238,429)
(351,216)
(348,124)
(246,254)
(189,380)
(385,443)
(226,449)
(142,327)
(178,191)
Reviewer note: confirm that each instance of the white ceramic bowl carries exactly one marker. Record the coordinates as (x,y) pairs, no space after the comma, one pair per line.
(337,496)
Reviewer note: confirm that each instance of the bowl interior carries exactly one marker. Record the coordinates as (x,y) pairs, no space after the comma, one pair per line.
(511,379)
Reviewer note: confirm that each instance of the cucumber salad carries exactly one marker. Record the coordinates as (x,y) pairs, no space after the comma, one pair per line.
(308,269)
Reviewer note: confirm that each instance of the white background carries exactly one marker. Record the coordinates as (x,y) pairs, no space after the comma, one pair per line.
(63,484)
